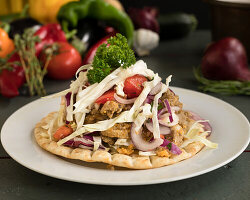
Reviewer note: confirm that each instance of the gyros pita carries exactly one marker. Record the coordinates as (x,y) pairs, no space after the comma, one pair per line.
(99,123)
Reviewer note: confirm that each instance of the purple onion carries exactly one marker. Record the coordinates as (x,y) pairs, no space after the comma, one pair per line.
(67,97)
(163,129)
(140,143)
(174,148)
(207,126)
(169,110)
(88,137)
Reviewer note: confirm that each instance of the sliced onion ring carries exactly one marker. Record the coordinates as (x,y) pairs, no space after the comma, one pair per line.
(207,126)
(124,101)
(163,129)
(140,143)
(156,89)
(169,110)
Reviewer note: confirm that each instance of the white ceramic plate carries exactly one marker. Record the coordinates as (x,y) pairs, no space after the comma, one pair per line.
(230,130)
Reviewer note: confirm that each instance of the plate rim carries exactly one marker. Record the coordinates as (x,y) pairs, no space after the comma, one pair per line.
(138,182)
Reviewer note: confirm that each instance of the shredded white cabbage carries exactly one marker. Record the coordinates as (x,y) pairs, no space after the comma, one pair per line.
(99,126)
(148,86)
(201,138)
(194,135)
(97,142)
(79,82)
(156,127)
(143,116)
(196,125)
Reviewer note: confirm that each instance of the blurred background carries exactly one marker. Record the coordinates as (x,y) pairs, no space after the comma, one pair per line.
(197,7)
(150,27)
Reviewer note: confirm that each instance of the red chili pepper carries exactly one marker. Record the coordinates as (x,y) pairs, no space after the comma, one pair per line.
(92,51)
(49,34)
(10,81)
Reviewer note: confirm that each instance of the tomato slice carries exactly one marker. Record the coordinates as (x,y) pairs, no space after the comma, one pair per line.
(63,132)
(107,96)
(133,85)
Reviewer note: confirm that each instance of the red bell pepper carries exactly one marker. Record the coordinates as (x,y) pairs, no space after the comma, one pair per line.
(92,51)
(49,34)
(10,81)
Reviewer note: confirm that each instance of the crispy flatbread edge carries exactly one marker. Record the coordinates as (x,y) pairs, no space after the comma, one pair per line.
(121,160)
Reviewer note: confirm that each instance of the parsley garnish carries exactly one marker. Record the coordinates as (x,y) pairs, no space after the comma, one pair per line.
(169,146)
(160,106)
(116,53)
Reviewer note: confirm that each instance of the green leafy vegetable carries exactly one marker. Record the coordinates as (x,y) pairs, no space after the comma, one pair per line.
(169,146)
(116,53)
(223,87)
(160,106)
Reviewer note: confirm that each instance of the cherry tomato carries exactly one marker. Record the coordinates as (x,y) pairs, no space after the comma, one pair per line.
(107,96)
(133,85)
(65,63)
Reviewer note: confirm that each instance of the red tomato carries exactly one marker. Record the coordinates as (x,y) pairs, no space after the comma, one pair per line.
(63,132)
(64,64)
(133,85)
(107,96)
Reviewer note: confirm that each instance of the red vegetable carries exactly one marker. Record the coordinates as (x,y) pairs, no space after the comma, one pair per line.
(107,96)
(144,18)
(65,63)
(10,81)
(63,132)
(92,51)
(226,60)
(49,34)
(133,85)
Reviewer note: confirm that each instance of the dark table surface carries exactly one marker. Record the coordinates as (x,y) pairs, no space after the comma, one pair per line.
(177,57)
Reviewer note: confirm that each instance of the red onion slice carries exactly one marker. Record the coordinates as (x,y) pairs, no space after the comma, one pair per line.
(88,137)
(169,110)
(140,143)
(124,101)
(156,89)
(173,148)
(163,129)
(207,126)
(83,141)
(67,97)
(76,142)
(160,112)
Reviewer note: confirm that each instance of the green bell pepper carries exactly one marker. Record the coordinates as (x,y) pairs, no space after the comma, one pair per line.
(71,13)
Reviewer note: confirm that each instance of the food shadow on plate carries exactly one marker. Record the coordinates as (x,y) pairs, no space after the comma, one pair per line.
(95,165)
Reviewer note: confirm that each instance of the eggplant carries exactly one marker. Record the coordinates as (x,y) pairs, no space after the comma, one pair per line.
(89,31)
(176,25)
(18,26)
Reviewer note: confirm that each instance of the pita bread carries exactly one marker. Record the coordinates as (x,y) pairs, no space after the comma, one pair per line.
(121,160)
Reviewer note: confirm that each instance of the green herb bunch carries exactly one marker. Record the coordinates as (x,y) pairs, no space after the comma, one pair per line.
(222,87)
(116,53)
(34,72)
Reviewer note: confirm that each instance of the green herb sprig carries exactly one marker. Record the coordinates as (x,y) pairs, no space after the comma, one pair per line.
(34,73)
(110,56)
(222,87)
(5,64)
